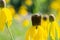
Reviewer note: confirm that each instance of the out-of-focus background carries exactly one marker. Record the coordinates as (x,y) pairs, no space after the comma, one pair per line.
(21,15)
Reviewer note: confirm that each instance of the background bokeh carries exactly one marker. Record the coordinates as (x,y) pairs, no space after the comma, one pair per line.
(22,10)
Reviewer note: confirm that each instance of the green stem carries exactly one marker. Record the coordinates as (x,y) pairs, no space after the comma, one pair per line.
(12,38)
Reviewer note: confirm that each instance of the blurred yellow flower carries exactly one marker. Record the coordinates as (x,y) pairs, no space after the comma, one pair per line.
(8,15)
(17,17)
(58,15)
(55,5)
(11,8)
(25,23)
(2,20)
(28,2)
(57,0)
(23,7)
(23,10)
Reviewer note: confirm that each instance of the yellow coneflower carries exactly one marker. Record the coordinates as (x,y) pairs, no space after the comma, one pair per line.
(53,27)
(2,20)
(45,24)
(8,15)
(23,10)
(6,19)
(31,32)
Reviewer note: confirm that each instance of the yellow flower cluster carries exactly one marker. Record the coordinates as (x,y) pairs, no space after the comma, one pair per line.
(44,30)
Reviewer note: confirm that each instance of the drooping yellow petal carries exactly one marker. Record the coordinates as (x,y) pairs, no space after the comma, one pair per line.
(39,35)
(36,34)
(45,24)
(8,16)
(27,35)
(54,28)
(58,29)
(52,33)
(31,33)
(2,20)
(58,32)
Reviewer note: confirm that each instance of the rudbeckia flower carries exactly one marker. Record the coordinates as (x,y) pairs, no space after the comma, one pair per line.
(36,33)
(6,17)
(2,20)
(43,30)
(45,23)
(53,27)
